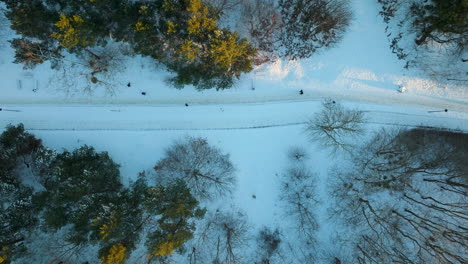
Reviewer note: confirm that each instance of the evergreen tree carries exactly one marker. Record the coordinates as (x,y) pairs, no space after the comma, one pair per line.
(166,212)
(82,189)
(31,18)
(442,21)
(177,207)
(118,228)
(80,185)
(182,35)
(17,214)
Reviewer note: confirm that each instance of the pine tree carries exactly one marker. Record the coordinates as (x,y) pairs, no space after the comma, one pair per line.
(17,214)
(182,35)
(177,207)
(80,185)
(442,21)
(31,18)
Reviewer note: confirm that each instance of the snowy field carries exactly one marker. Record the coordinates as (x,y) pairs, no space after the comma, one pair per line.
(256,122)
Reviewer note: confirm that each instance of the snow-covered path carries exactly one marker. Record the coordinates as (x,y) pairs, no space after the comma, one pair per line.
(214,116)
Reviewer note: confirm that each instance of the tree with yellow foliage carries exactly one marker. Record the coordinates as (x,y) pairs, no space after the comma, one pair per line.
(201,22)
(70,31)
(232,54)
(182,35)
(116,254)
(176,207)
(168,211)
(3,254)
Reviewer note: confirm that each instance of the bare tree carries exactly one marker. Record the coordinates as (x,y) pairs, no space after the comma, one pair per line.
(269,242)
(223,236)
(335,253)
(206,170)
(312,25)
(261,21)
(405,194)
(299,197)
(297,154)
(32,53)
(90,70)
(293,29)
(52,248)
(223,7)
(334,125)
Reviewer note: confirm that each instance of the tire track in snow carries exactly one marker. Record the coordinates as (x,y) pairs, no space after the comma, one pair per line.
(236,128)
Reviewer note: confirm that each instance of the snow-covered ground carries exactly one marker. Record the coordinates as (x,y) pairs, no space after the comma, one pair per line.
(255,126)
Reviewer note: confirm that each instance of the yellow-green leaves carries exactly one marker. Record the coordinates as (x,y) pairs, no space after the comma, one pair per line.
(189,50)
(116,255)
(171,27)
(164,249)
(69,34)
(143,10)
(200,20)
(232,54)
(3,254)
(140,26)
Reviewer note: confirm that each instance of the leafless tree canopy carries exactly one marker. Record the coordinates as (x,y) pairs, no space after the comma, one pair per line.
(90,70)
(269,242)
(261,21)
(206,170)
(334,125)
(405,194)
(299,197)
(297,154)
(311,25)
(294,29)
(224,235)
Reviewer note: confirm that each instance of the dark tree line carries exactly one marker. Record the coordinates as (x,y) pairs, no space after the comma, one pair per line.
(17,212)
(182,35)
(82,190)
